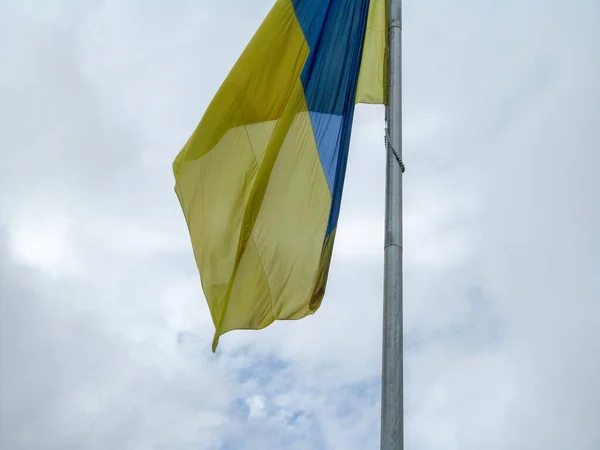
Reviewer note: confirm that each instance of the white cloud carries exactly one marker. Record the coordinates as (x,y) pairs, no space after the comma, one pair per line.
(42,242)
(104,334)
(256,403)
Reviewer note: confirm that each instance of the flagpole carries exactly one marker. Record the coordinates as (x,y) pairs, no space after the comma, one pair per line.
(392,392)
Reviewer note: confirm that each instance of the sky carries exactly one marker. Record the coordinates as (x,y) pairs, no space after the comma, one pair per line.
(105,335)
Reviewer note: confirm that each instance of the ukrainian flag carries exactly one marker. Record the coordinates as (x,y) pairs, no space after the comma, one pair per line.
(260,180)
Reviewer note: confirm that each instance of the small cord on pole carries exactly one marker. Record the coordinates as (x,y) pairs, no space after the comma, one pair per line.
(388,144)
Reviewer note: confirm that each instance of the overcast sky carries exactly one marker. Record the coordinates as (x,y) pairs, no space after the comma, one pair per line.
(105,335)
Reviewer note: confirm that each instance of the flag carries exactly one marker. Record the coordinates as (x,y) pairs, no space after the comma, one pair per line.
(260,180)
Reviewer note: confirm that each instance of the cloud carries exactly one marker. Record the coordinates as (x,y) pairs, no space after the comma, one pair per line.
(105,336)
(77,372)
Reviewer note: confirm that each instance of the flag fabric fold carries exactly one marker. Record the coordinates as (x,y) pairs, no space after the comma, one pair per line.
(260,180)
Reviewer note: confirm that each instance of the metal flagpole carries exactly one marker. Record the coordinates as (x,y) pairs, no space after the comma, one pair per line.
(392,398)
